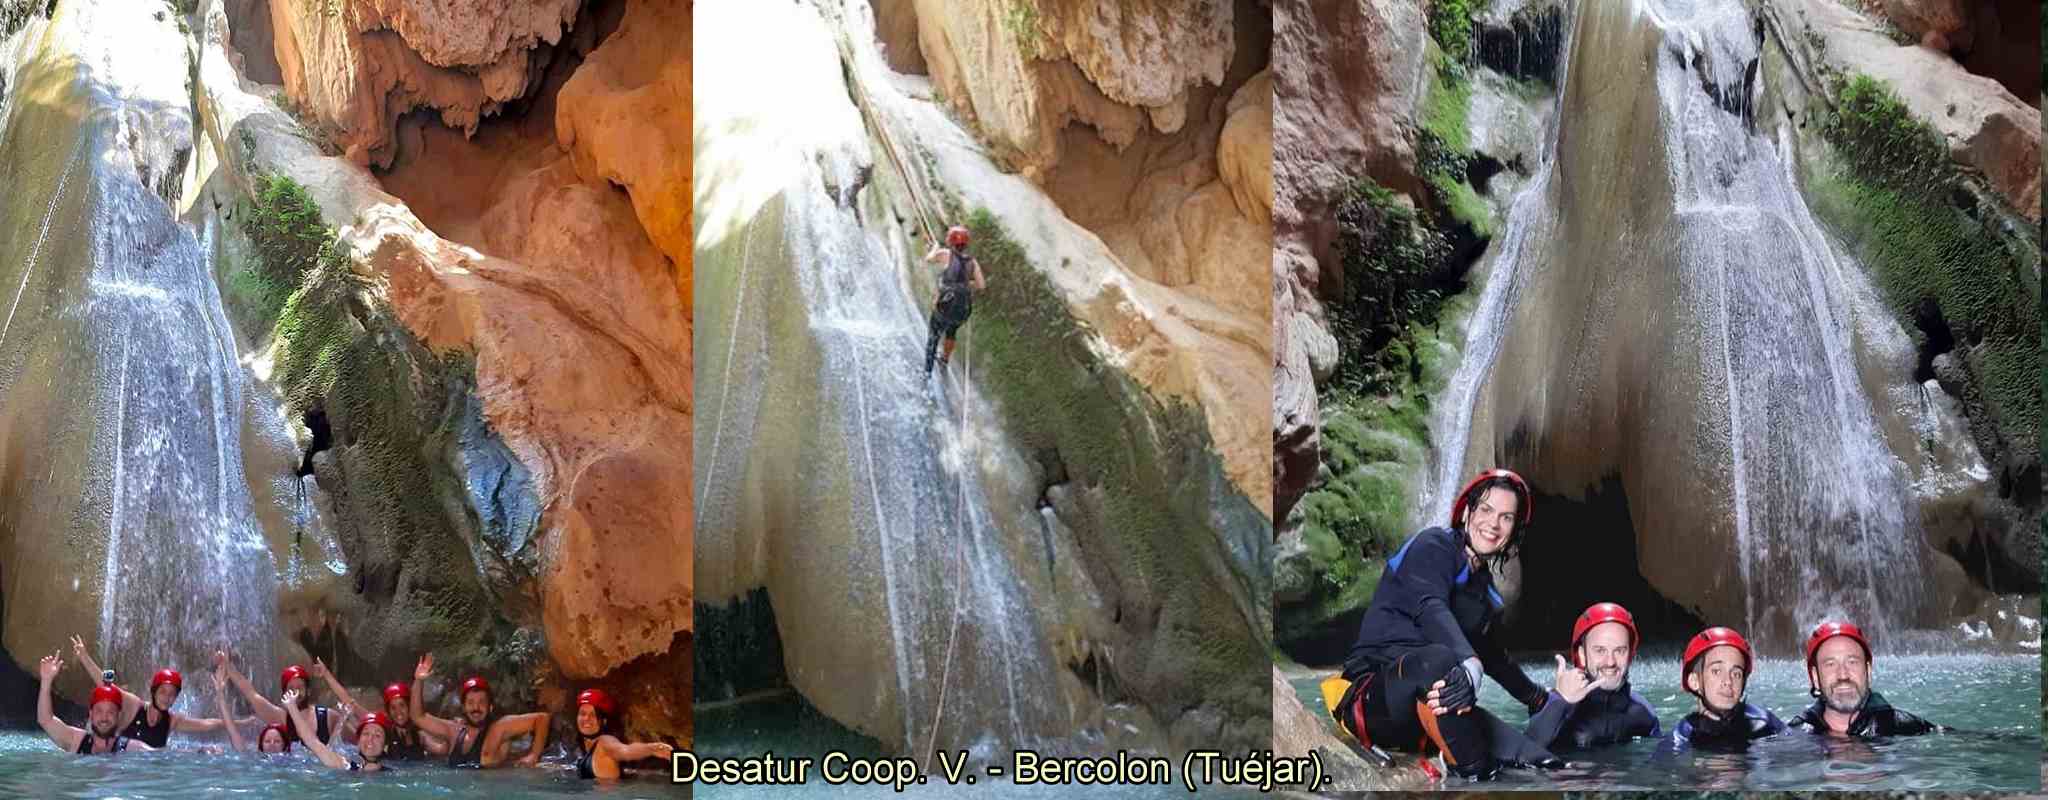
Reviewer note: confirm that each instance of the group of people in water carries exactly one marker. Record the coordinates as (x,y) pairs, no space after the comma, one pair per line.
(119,721)
(1411,680)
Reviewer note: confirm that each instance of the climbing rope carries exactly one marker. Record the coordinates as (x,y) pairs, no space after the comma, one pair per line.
(925,219)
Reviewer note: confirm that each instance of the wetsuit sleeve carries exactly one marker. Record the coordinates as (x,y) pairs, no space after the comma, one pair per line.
(1427,573)
(1509,676)
(1906,724)
(1646,718)
(1545,724)
(1772,725)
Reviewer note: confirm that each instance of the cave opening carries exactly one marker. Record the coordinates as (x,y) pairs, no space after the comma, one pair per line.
(1936,337)
(1580,552)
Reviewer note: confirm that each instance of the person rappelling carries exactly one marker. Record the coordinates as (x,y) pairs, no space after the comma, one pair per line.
(958,281)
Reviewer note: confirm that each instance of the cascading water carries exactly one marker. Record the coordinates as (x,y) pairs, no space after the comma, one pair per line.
(1662,304)
(824,405)
(122,402)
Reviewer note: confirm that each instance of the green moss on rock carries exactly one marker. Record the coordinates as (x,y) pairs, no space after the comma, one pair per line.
(1890,197)
(1155,510)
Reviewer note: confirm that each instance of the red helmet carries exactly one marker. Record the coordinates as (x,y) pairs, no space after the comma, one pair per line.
(1523,514)
(1709,639)
(105,693)
(397,691)
(956,236)
(597,699)
(282,733)
(284,679)
(1830,630)
(378,719)
(169,676)
(1596,614)
(475,684)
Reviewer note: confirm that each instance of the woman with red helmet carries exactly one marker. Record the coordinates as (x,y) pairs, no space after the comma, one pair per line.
(1592,704)
(151,722)
(957,284)
(403,740)
(369,742)
(1838,675)
(601,743)
(480,738)
(101,710)
(1423,644)
(1716,670)
(292,677)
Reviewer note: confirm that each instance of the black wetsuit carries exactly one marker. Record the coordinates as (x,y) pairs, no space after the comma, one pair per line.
(1732,732)
(1431,611)
(1601,718)
(955,303)
(583,765)
(473,740)
(153,735)
(85,746)
(1875,718)
(405,744)
(291,732)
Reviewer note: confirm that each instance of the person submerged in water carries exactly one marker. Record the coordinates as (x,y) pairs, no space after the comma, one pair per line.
(102,709)
(1592,704)
(1716,670)
(269,740)
(1412,678)
(403,741)
(151,722)
(958,282)
(601,745)
(1838,665)
(292,678)
(480,738)
(369,742)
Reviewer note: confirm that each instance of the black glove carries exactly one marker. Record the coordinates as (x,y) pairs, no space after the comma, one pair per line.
(1458,693)
(1733,727)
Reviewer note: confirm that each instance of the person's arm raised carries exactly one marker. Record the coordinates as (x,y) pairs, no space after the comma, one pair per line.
(260,705)
(302,723)
(427,722)
(65,736)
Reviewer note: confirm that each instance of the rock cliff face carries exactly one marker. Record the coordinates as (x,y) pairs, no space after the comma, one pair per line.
(1339,107)
(549,246)
(1151,125)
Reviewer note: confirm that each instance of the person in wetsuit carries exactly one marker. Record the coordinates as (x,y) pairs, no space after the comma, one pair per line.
(1592,704)
(403,741)
(958,282)
(480,739)
(151,722)
(1838,658)
(1415,667)
(102,708)
(369,742)
(292,679)
(600,745)
(1715,669)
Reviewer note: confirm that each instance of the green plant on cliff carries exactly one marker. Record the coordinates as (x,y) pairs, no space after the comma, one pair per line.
(1146,475)
(1020,19)
(1892,199)
(290,239)
(1387,253)
(1450,24)
(1443,147)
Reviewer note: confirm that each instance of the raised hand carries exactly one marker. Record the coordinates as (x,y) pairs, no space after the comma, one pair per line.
(291,699)
(50,666)
(220,659)
(1572,683)
(319,668)
(78,649)
(425,668)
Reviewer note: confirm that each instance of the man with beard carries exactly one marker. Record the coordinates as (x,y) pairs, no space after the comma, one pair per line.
(1838,658)
(101,710)
(151,722)
(1591,704)
(292,678)
(1716,669)
(480,738)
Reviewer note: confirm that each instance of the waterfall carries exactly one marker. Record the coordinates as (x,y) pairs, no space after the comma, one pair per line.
(1663,305)
(122,399)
